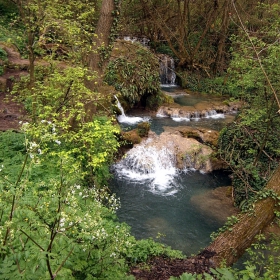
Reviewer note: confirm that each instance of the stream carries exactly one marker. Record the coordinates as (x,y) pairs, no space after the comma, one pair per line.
(156,199)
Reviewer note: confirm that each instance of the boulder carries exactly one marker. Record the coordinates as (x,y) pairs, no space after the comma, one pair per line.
(207,137)
(189,152)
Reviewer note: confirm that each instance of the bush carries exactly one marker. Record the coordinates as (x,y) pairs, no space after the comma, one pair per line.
(135,73)
(143,129)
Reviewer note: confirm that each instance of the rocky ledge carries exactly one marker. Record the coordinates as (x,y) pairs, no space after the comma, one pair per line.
(191,147)
(202,109)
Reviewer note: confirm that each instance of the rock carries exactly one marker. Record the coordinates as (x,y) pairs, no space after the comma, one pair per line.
(203,135)
(131,137)
(217,203)
(199,110)
(189,152)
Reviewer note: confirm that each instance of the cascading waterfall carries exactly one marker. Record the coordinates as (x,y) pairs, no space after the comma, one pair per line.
(151,166)
(156,196)
(167,67)
(123,118)
(214,115)
(179,116)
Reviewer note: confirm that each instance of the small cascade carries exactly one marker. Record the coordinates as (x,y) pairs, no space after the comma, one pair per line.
(123,118)
(179,118)
(144,41)
(167,68)
(160,113)
(151,166)
(181,115)
(214,115)
(195,116)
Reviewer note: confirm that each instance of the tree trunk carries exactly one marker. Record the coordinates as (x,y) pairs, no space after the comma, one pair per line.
(220,65)
(103,32)
(230,245)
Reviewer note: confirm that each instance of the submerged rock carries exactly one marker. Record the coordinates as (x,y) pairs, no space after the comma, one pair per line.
(217,204)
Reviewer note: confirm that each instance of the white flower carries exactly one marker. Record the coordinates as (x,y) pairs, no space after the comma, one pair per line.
(43,121)
(33,145)
(39,151)
(57,142)
(78,186)
(31,156)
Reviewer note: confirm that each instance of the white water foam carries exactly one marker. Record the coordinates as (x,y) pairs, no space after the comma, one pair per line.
(149,165)
(214,115)
(180,119)
(123,118)
(129,120)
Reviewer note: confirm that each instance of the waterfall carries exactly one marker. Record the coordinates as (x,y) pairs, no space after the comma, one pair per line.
(181,115)
(148,164)
(214,115)
(144,41)
(123,118)
(167,67)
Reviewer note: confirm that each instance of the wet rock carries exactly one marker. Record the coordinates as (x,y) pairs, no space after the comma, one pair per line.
(199,110)
(189,152)
(204,136)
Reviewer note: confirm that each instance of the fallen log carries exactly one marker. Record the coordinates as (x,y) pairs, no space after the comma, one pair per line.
(230,245)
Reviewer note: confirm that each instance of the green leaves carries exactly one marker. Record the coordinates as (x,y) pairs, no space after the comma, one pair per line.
(134,73)
(248,145)
(57,222)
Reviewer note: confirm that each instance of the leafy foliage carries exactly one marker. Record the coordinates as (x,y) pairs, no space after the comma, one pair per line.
(65,106)
(134,73)
(263,264)
(10,30)
(248,145)
(56,226)
(52,223)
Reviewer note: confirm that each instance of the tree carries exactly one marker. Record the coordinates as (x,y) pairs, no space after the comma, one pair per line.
(230,245)
(104,36)
(195,32)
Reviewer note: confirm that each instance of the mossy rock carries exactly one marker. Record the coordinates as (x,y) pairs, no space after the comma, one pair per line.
(131,137)
(143,129)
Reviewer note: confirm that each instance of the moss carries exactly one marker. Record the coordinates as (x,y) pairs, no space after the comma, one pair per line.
(143,129)
(131,137)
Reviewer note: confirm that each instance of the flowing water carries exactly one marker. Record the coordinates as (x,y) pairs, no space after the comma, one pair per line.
(156,198)
(168,213)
